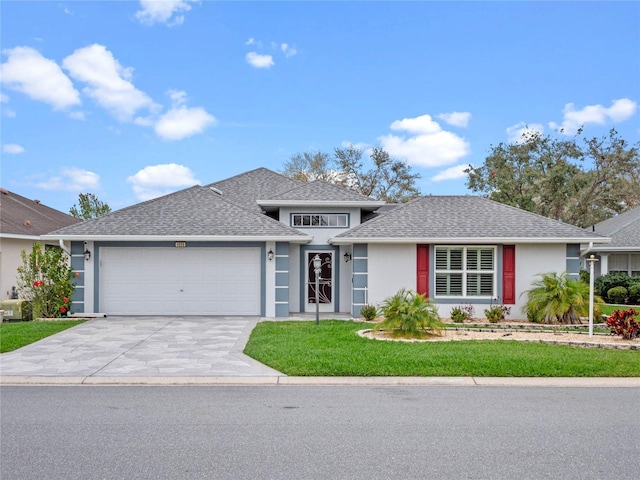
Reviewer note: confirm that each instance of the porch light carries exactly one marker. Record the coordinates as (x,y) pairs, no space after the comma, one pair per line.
(270,254)
(347,256)
(87,255)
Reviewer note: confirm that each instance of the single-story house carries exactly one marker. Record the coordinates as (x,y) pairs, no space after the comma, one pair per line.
(622,254)
(246,245)
(22,221)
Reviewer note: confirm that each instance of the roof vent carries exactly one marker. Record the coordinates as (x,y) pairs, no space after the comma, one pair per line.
(214,189)
(37,202)
(26,223)
(4,191)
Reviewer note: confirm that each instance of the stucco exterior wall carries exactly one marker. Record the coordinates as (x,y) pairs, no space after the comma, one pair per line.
(531,260)
(10,260)
(391,267)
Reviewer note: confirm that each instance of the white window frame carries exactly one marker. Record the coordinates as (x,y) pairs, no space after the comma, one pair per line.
(465,271)
(631,263)
(320,220)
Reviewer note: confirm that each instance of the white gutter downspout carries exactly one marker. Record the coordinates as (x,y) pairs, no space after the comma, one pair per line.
(64,247)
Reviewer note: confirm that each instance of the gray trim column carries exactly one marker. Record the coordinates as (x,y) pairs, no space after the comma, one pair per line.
(77,267)
(282,279)
(360,292)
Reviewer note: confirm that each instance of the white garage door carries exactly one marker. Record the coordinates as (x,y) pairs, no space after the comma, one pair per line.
(180,281)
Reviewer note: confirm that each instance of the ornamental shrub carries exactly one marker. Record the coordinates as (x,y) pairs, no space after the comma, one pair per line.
(458,315)
(604,283)
(634,293)
(617,294)
(496,313)
(409,314)
(623,323)
(369,313)
(45,280)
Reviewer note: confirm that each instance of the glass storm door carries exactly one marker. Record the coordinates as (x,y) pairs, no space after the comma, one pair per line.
(325,282)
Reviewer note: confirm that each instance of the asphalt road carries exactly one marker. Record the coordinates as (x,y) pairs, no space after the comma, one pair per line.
(223,432)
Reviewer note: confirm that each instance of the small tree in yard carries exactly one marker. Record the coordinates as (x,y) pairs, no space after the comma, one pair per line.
(408,314)
(556,298)
(44,279)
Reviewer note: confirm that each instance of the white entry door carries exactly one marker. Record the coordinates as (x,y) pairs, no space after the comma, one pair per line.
(180,281)
(326,282)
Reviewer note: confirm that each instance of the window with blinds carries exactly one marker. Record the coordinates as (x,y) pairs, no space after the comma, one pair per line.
(465,271)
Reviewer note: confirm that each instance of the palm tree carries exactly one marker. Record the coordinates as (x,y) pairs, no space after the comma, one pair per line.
(556,298)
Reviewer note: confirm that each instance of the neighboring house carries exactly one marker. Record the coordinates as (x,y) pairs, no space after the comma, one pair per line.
(623,253)
(245,246)
(22,221)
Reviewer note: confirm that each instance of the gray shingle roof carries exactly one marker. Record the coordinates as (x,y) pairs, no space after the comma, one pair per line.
(21,216)
(624,230)
(462,218)
(246,188)
(196,211)
(319,190)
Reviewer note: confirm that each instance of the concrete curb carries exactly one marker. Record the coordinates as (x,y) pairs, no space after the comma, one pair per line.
(572,382)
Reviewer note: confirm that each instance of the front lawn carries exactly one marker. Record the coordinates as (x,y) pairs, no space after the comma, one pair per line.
(334,349)
(16,335)
(608,308)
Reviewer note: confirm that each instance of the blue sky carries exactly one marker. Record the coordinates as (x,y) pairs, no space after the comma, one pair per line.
(134,99)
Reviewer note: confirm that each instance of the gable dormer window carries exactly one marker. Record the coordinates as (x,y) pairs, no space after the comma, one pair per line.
(320,220)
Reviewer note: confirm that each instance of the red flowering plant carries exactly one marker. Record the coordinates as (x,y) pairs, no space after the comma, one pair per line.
(45,279)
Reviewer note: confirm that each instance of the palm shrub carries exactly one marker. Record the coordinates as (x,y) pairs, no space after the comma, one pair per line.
(409,314)
(556,298)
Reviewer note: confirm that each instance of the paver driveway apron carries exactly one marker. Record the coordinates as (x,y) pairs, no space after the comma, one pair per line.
(142,346)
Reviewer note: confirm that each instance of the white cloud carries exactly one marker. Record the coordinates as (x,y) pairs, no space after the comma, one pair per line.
(12,148)
(162,11)
(619,111)
(457,119)
(156,180)
(182,122)
(451,173)
(72,180)
(4,98)
(107,81)
(516,133)
(427,145)
(288,50)
(40,78)
(257,60)
(253,41)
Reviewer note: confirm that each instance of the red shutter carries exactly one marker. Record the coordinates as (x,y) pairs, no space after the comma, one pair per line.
(508,274)
(422,274)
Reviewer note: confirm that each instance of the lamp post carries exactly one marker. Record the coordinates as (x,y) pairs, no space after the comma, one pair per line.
(592,260)
(317,266)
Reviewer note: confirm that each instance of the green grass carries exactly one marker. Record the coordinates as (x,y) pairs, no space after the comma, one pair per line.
(609,308)
(17,335)
(334,349)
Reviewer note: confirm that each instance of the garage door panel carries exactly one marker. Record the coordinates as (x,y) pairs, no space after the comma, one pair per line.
(196,281)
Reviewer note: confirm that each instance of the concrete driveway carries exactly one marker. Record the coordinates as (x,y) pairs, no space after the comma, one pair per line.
(142,347)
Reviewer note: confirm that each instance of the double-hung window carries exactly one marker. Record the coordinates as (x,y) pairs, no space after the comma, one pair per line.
(465,271)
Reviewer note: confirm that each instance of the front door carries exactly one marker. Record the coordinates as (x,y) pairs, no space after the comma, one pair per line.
(325,282)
